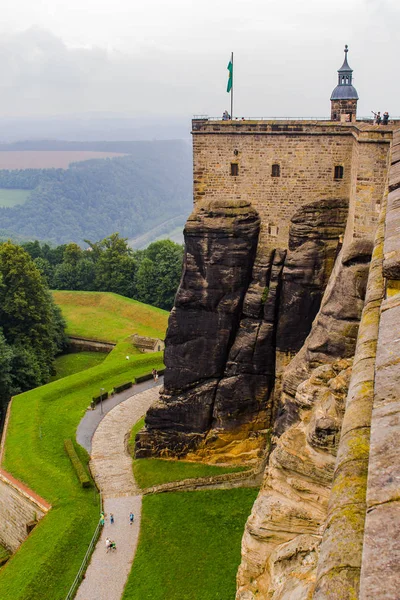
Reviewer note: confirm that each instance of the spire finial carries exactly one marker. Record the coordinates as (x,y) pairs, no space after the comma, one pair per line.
(346,48)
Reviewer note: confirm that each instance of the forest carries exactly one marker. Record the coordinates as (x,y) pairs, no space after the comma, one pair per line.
(91,199)
(110,265)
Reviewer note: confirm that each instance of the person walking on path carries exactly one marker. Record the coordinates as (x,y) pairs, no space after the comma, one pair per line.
(102,519)
(131,518)
(111,519)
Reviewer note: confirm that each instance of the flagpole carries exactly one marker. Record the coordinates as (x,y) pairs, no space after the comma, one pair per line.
(232,88)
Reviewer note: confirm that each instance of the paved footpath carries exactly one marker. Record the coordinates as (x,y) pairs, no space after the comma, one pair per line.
(111,467)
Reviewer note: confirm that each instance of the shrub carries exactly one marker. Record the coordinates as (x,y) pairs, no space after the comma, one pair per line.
(77,464)
(122,387)
(97,399)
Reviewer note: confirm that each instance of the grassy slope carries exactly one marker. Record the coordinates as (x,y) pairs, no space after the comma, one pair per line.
(46,564)
(109,317)
(200,533)
(13,197)
(152,471)
(68,364)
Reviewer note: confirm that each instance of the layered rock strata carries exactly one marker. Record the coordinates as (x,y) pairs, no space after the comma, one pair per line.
(334,331)
(280,546)
(222,335)
(381,544)
(221,242)
(283,533)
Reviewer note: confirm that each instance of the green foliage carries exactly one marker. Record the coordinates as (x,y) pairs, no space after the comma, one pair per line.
(122,387)
(80,470)
(32,327)
(189,545)
(151,275)
(41,419)
(68,364)
(129,194)
(153,471)
(264,295)
(159,273)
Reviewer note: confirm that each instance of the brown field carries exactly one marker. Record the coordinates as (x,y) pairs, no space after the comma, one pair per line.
(47,159)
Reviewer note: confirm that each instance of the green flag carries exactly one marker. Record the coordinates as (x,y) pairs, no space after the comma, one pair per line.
(230,76)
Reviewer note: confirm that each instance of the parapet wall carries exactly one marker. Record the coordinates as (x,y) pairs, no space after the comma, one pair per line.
(307,153)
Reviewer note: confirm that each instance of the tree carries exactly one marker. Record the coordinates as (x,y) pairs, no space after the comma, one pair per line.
(114,265)
(159,273)
(32,326)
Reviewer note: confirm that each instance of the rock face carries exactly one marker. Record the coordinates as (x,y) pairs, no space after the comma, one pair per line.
(280,546)
(313,245)
(222,335)
(221,242)
(281,542)
(334,331)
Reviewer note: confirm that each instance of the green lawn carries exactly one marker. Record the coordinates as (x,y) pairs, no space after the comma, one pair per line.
(40,420)
(109,317)
(153,471)
(13,197)
(189,545)
(68,364)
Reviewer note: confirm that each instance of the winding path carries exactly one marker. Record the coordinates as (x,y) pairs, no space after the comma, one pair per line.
(111,467)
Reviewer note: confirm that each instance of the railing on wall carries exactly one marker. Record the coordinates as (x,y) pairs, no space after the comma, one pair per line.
(207,118)
(82,569)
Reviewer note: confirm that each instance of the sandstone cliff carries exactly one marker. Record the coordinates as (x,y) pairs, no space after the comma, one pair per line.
(281,542)
(232,306)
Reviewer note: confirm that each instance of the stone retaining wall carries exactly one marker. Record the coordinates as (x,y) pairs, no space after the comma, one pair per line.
(249,478)
(78,344)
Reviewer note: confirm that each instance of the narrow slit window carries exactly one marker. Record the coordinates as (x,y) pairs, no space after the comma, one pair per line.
(339,172)
(276,170)
(234,169)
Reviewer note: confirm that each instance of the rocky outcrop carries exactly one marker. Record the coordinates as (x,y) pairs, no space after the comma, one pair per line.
(281,543)
(221,346)
(313,244)
(334,331)
(280,546)
(221,242)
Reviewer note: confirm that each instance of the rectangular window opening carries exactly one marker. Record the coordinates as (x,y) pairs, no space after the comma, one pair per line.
(339,170)
(276,170)
(234,169)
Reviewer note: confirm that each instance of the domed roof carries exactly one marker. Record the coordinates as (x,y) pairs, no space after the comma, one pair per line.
(344,92)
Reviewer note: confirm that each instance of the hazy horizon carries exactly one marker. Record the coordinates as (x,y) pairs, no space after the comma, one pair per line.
(156,60)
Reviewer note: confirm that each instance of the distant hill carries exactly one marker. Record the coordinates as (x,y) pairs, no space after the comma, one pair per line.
(131,194)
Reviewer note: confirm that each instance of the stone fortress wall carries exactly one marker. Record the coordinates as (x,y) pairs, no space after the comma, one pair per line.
(307,154)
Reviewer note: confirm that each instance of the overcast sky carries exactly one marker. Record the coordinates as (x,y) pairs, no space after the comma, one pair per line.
(158,57)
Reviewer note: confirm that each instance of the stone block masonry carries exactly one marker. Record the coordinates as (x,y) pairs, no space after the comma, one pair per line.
(20,510)
(307,154)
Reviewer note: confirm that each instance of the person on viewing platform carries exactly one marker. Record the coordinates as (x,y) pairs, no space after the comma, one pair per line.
(226,116)
(377,117)
(385,119)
